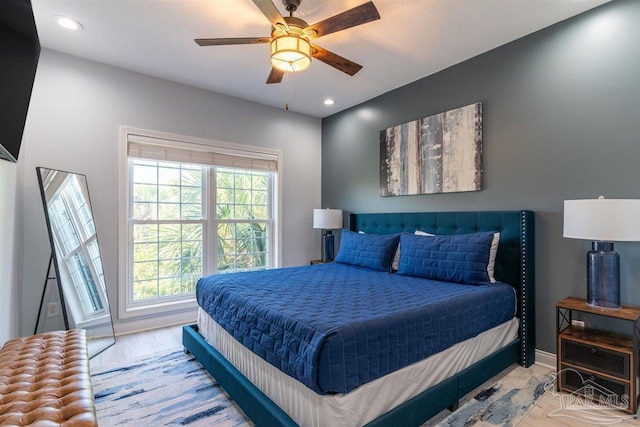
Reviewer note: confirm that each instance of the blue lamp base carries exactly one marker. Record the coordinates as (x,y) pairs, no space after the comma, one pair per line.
(603,275)
(327,246)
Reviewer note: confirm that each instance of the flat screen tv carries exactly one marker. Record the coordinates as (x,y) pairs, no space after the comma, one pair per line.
(19,53)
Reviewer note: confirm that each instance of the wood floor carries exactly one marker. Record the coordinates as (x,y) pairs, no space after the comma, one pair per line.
(547,412)
(140,345)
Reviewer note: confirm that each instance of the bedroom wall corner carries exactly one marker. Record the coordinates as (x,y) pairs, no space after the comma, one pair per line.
(9,250)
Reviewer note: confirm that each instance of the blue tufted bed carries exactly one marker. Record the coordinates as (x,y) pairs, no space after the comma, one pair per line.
(374,332)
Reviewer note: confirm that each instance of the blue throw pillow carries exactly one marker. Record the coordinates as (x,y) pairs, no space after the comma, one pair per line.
(374,251)
(459,258)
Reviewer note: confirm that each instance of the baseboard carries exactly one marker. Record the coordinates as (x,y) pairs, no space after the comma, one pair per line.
(548,360)
(134,326)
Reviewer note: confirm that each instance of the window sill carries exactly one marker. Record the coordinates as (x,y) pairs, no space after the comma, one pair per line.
(159,307)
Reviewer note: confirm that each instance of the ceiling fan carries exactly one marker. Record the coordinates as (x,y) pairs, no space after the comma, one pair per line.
(291,48)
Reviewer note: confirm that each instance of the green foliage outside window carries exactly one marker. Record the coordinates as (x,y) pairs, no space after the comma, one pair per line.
(169,222)
(242,214)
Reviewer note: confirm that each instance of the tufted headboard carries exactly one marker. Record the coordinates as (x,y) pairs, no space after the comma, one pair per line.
(514,260)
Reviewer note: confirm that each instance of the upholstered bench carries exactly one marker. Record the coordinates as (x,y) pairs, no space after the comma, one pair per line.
(44,381)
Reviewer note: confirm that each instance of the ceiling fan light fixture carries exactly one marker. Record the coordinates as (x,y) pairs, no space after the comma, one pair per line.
(290,41)
(290,53)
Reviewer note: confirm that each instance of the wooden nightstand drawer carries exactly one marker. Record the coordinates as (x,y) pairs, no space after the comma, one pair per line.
(600,388)
(595,357)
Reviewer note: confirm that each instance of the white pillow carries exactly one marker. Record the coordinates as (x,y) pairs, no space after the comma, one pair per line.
(492,257)
(490,265)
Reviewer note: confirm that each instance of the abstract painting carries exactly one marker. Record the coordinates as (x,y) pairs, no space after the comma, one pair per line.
(436,154)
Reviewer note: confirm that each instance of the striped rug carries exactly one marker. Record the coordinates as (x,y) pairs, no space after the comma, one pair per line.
(171,390)
(174,390)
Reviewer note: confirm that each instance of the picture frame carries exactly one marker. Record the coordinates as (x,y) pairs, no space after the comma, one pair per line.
(441,153)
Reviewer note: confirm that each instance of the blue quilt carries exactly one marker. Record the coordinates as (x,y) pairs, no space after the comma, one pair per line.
(334,327)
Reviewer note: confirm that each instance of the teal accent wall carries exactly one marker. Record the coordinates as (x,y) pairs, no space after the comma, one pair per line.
(561,118)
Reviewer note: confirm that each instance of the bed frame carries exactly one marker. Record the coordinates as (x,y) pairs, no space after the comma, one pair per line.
(514,265)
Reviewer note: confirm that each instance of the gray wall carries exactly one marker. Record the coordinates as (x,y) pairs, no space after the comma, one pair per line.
(76,110)
(9,237)
(561,110)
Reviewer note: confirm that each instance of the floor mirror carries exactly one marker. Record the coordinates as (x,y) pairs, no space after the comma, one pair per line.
(75,293)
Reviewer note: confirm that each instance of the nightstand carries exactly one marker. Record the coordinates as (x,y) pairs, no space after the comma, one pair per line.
(598,364)
(319,261)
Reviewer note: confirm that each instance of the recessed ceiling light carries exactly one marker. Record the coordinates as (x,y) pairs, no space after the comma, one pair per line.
(68,23)
(329,101)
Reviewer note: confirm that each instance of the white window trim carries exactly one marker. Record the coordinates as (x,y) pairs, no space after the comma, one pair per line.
(126,312)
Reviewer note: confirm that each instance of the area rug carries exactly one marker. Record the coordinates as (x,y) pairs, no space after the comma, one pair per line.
(502,401)
(175,389)
(171,390)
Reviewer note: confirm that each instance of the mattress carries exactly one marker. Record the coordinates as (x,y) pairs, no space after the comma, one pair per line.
(367,402)
(335,327)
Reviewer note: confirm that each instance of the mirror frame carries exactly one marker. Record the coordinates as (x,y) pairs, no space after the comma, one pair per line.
(55,262)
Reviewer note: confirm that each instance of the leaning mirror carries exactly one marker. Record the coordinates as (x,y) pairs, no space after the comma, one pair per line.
(80,298)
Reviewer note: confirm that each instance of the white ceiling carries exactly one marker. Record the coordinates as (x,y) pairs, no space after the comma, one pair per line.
(413,39)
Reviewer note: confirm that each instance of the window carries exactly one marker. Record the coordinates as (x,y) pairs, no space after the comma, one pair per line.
(167,229)
(194,210)
(242,219)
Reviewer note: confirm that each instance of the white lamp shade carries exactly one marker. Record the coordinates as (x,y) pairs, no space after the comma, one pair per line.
(327,218)
(606,220)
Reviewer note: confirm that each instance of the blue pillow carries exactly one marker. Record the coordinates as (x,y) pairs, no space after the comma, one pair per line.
(458,258)
(374,251)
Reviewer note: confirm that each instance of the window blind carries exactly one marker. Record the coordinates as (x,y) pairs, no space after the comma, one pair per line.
(144,147)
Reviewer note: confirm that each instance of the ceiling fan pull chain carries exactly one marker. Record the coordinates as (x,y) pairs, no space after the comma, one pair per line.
(286,92)
(294,86)
(293,89)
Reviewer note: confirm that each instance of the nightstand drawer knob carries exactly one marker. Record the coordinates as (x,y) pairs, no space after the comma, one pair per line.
(594,350)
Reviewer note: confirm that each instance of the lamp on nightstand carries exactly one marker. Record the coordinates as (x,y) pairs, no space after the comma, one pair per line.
(327,220)
(603,221)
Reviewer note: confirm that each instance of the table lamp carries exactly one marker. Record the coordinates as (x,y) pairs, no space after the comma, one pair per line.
(603,221)
(327,220)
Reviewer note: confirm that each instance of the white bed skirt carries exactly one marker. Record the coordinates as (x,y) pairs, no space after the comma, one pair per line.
(365,403)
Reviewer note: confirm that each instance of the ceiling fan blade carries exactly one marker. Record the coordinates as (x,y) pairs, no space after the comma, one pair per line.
(359,15)
(272,13)
(336,61)
(275,76)
(228,41)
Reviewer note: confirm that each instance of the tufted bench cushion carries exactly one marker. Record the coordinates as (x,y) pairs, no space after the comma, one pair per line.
(45,381)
